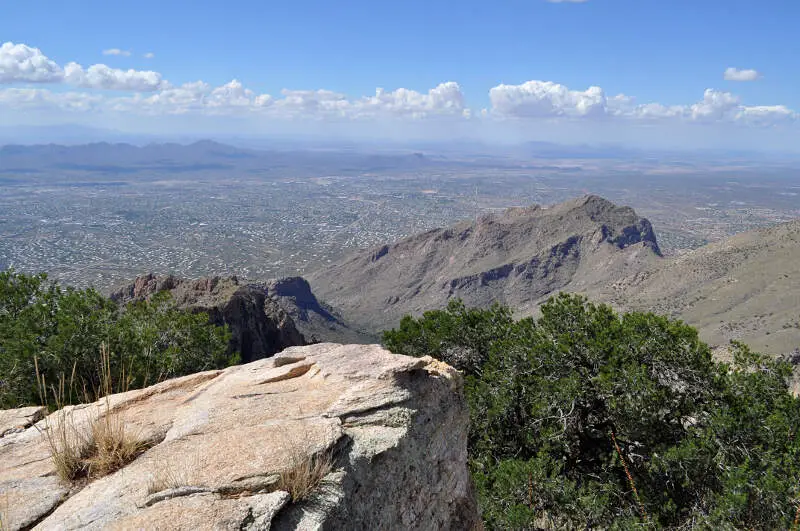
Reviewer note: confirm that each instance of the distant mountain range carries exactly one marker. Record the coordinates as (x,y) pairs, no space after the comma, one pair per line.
(746,287)
(71,141)
(204,155)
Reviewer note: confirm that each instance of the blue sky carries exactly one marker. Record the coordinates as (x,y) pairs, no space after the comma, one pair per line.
(518,69)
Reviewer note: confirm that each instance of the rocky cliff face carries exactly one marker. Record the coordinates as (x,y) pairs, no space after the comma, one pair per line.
(395,426)
(516,258)
(259,325)
(317,322)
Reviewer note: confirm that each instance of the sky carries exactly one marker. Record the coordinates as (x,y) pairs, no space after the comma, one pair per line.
(656,73)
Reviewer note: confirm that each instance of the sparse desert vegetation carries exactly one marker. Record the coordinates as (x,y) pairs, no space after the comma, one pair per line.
(82,446)
(304,474)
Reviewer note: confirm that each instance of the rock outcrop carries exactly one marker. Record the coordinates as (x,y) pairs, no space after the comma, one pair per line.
(317,322)
(395,426)
(259,326)
(517,258)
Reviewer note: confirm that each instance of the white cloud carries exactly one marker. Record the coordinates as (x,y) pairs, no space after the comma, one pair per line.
(716,106)
(548,100)
(533,100)
(765,115)
(20,63)
(117,51)
(187,98)
(43,99)
(196,97)
(101,76)
(149,55)
(446,99)
(734,74)
(545,99)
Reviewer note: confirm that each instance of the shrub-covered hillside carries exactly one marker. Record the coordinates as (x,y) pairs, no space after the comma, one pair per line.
(61,330)
(589,419)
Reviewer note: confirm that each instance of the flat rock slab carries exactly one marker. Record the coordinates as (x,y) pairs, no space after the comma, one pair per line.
(396,427)
(16,420)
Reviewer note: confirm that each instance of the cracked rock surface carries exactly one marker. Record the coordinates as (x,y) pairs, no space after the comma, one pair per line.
(396,427)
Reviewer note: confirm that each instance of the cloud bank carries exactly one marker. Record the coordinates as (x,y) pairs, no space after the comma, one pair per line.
(548,100)
(37,83)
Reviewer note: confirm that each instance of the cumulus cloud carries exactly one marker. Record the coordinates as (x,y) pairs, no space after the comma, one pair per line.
(445,101)
(117,51)
(765,115)
(153,95)
(101,76)
(734,74)
(196,97)
(149,55)
(20,63)
(545,99)
(715,106)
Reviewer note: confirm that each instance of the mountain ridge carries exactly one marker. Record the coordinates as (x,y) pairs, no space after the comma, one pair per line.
(746,287)
(515,258)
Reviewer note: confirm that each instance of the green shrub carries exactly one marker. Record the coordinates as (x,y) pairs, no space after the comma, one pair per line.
(706,444)
(63,329)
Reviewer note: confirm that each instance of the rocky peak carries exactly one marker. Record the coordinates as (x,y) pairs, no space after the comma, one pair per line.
(516,257)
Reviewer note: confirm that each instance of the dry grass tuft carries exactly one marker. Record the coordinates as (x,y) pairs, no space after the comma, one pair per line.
(165,476)
(95,451)
(68,446)
(113,445)
(305,474)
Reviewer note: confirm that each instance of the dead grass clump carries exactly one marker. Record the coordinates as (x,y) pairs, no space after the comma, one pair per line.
(103,447)
(165,479)
(165,476)
(68,446)
(112,445)
(305,474)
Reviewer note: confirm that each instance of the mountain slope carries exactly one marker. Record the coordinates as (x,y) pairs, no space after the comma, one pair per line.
(516,258)
(746,287)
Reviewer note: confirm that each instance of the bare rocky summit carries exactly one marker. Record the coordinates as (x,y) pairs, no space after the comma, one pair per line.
(396,427)
(516,258)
